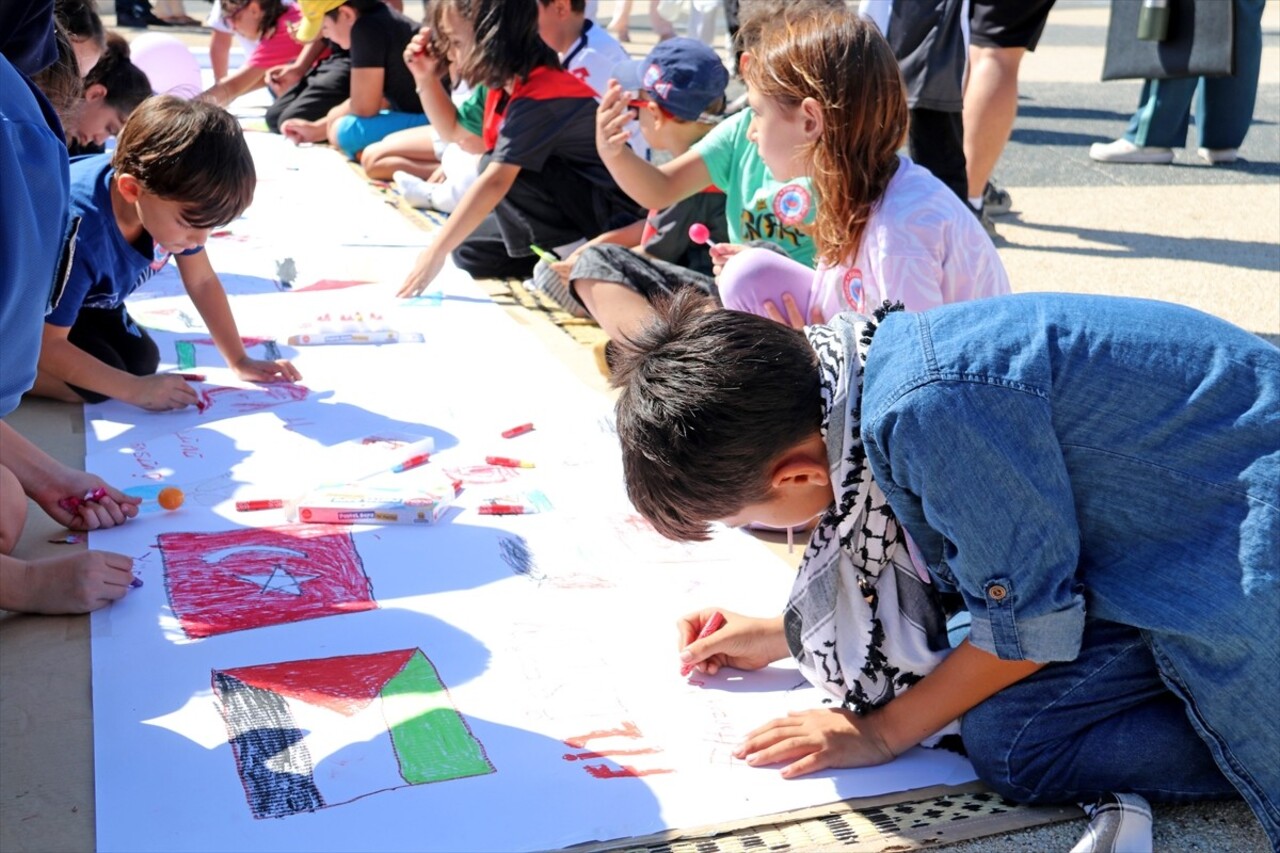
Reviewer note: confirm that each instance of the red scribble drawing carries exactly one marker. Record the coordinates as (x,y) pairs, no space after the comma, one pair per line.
(627,730)
(481,475)
(242,401)
(248,342)
(604,771)
(251,578)
(331,284)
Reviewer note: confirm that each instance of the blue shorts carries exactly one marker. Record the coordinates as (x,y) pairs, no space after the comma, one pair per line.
(355,133)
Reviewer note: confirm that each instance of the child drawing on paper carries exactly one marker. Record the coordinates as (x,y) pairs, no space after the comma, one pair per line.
(1106,550)
(180,168)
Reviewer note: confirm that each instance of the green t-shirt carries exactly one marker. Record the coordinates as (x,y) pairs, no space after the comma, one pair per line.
(757,206)
(471,111)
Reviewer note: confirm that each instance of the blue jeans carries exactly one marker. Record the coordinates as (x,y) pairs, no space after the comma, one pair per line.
(1064,462)
(1223,105)
(1102,722)
(355,133)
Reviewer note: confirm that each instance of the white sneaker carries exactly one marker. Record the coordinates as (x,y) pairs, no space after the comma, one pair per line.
(1124,151)
(1213,156)
(415,190)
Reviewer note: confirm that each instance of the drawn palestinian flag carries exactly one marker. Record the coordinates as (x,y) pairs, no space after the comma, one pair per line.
(310,734)
(254,577)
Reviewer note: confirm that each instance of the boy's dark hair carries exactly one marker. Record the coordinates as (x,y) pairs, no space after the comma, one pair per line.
(126,84)
(507,43)
(710,398)
(191,152)
(362,7)
(81,20)
(574,5)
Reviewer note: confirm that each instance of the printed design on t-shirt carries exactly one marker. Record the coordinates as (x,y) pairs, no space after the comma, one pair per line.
(854,295)
(791,204)
(159,257)
(762,224)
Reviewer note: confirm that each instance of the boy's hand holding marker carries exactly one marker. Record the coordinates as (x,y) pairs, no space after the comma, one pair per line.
(741,642)
(161,392)
(422,61)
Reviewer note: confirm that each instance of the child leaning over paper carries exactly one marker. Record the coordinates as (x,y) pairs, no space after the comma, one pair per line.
(1096,478)
(180,169)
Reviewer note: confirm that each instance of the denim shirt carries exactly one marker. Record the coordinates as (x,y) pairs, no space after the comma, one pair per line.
(1055,456)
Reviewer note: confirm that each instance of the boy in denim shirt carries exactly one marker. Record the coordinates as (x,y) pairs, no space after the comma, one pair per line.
(1096,477)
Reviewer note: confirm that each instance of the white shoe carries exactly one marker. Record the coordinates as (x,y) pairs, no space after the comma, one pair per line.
(1124,151)
(1213,156)
(415,190)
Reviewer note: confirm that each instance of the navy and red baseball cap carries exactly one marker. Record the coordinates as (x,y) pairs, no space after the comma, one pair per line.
(682,75)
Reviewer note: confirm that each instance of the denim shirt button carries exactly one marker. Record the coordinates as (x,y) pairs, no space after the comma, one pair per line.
(997,592)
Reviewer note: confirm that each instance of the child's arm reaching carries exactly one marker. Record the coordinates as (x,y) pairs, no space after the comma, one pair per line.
(479,202)
(63,363)
(210,299)
(833,737)
(652,186)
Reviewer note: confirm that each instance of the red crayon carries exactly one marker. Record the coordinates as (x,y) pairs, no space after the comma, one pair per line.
(506,462)
(254,506)
(72,504)
(411,462)
(715,623)
(190,377)
(517,430)
(504,509)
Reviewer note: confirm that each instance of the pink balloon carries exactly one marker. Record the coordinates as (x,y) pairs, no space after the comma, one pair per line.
(168,64)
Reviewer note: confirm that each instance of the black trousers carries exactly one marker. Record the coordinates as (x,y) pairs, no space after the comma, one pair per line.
(935,140)
(111,336)
(320,90)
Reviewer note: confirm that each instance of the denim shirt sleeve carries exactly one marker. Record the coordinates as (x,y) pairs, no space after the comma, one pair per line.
(974,469)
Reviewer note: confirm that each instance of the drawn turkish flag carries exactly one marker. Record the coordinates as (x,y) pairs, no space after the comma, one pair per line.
(255,577)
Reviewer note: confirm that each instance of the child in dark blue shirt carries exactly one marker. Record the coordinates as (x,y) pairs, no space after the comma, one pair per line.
(180,169)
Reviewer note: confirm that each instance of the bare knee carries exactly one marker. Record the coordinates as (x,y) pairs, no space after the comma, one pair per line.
(13,510)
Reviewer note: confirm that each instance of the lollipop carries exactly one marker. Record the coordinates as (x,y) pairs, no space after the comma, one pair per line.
(699,233)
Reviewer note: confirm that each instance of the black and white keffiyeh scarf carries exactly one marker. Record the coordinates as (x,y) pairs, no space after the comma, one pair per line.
(862,623)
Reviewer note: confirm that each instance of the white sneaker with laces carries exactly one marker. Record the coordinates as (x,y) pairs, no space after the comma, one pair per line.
(415,191)
(1124,151)
(1213,156)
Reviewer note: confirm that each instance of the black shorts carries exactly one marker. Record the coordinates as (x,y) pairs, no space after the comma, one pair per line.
(652,278)
(1007,23)
(111,336)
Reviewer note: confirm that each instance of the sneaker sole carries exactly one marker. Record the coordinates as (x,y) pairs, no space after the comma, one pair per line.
(1136,157)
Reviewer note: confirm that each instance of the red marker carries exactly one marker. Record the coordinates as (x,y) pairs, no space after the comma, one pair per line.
(505,462)
(411,462)
(190,377)
(505,509)
(73,504)
(715,623)
(254,506)
(517,430)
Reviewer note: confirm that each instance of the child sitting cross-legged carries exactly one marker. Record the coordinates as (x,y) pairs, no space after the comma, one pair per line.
(180,169)
(1095,477)
(679,93)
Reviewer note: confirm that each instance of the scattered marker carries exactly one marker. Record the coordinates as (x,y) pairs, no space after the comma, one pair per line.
(255,506)
(506,462)
(517,430)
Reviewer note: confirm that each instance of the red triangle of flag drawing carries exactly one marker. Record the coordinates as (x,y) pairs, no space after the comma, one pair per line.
(344,684)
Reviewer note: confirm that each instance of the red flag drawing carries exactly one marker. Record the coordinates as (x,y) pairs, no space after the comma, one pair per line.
(255,577)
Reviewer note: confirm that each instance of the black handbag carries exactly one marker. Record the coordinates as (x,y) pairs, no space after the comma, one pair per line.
(1200,42)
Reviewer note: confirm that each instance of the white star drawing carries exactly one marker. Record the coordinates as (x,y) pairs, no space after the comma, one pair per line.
(278,581)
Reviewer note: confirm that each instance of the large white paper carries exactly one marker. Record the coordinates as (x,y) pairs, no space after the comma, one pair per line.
(485,683)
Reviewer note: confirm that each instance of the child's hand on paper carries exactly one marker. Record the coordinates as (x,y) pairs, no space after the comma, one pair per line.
(809,741)
(298,130)
(424,272)
(264,370)
(612,118)
(745,642)
(161,392)
(793,317)
(75,583)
